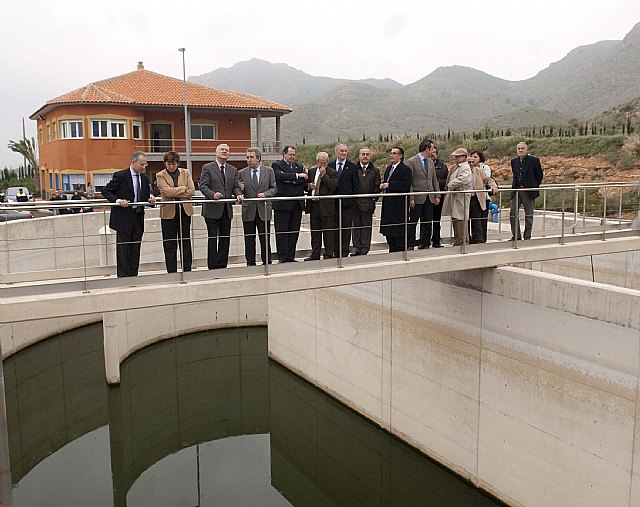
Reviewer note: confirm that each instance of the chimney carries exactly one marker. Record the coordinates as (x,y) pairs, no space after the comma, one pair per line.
(140,66)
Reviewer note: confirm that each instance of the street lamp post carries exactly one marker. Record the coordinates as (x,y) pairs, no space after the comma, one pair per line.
(187,127)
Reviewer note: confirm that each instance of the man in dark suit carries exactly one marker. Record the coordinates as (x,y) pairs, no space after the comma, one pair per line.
(291,181)
(128,186)
(421,206)
(323,180)
(397,180)
(256,182)
(348,184)
(219,180)
(369,183)
(527,173)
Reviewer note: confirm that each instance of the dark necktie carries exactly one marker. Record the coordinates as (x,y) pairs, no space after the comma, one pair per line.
(426,166)
(255,177)
(224,180)
(339,169)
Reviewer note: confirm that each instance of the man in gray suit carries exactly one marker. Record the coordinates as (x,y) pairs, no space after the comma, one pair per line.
(219,180)
(421,206)
(363,211)
(256,181)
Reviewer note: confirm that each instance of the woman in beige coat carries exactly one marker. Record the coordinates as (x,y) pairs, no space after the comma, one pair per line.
(478,210)
(457,205)
(175,184)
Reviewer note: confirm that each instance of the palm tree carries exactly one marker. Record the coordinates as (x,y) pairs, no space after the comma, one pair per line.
(27,148)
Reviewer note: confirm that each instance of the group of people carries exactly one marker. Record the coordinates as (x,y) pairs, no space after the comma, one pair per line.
(343,226)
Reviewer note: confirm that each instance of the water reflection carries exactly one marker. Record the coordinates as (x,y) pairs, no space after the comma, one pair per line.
(205,419)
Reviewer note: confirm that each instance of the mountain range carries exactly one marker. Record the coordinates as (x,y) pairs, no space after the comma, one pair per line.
(586,82)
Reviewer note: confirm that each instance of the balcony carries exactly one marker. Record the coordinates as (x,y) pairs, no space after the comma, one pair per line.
(204,150)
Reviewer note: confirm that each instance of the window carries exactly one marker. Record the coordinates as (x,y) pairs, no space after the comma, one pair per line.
(48,133)
(71,129)
(100,180)
(40,139)
(71,181)
(203,132)
(137,129)
(108,129)
(55,131)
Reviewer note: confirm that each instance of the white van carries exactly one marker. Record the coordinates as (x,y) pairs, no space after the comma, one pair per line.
(11,193)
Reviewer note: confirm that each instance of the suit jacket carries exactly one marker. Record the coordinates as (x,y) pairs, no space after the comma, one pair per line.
(422,182)
(348,181)
(266,185)
(121,187)
(328,184)
(288,185)
(369,183)
(211,182)
(532,177)
(395,209)
(185,190)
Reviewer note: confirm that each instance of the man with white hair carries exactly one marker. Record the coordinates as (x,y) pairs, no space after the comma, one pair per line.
(527,173)
(219,180)
(323,180)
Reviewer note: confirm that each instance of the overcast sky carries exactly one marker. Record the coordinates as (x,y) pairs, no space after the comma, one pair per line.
(50,48)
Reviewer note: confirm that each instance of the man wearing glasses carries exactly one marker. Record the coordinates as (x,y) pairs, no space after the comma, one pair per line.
(126,188)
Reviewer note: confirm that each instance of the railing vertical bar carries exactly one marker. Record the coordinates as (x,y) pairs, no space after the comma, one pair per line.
(562,218)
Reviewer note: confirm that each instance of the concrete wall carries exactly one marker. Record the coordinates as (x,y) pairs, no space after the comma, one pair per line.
(619,269)
(126,331)
(525,383)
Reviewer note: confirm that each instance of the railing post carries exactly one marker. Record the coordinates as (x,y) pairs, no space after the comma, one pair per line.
(267,258)
(516,233)
(180,245)
(84,256)
(576,201)
(604,214)
(544,210)
(584,207)
(105,236)
(465,223)
(339,232)
(562,220)
(405,256)
(499,212)
(620,207)
(6,240)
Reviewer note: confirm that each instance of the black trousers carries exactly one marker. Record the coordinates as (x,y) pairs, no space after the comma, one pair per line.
(176,233)
(128,241)
(437,217)
(321,228)
(396,243)
(476,216)
(219,238)
(249,229)
(287,224)
(527,202)
(346,222)
(362,223)
(424,214)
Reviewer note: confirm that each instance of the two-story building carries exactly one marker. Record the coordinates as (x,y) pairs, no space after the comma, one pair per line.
(84,136)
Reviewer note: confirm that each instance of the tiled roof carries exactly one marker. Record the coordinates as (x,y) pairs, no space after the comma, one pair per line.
(149,88)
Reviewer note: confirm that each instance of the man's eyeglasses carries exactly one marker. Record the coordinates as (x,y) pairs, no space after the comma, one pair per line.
(142,164)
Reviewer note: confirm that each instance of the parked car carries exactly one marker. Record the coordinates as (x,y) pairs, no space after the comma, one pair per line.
(76,196)
(13,214)
(12,192)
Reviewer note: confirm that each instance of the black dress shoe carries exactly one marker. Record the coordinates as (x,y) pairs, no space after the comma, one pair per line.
(437,245)
(326,257)
(312,258)
(423,247)
(513,238)
(353,254)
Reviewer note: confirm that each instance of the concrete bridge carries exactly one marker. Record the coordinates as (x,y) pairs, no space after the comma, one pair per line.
(462,352)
